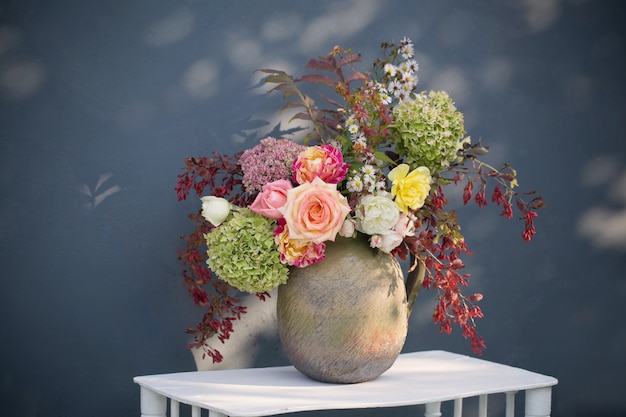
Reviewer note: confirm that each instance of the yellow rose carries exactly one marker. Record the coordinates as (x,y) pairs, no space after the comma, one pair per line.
(410,189)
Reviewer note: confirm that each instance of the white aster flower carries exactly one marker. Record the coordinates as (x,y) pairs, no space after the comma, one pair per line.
(353,129)
(385,98)
(390,70)
(406,48)
(368,170)
(393,87)
(413,65)
(360,140)
(404,67)
(355,184)
(407,88)
(409,78)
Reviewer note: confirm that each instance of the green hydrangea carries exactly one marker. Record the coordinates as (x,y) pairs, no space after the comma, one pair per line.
(428,130)
(242,252)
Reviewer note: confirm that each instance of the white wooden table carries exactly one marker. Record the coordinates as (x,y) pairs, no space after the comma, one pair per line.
(416,378)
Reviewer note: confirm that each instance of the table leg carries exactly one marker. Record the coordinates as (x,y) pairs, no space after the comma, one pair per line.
(152,404)
(538,402)
(433,410)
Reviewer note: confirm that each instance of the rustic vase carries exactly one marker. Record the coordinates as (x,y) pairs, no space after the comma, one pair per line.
(344,319)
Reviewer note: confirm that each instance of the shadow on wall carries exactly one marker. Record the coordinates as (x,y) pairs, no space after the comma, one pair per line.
(241,349)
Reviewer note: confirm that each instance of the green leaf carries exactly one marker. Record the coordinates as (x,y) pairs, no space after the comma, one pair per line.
(383,157)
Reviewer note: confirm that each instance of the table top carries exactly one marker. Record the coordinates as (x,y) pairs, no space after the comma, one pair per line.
(415,378)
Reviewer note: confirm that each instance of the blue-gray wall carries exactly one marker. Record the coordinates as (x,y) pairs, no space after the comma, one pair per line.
(101,101)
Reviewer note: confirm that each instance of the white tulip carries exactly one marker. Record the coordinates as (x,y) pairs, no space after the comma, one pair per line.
(215,209)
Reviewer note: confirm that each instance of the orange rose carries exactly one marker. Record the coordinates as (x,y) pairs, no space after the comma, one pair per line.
(315,211)
(296,252)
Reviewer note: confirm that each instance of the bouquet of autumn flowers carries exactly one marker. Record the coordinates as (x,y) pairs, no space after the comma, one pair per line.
(374,163)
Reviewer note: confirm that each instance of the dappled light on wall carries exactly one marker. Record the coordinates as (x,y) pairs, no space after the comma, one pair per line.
(342,20)
(20,75)
(171,29)
(539,14)
(604,225)
(201,79)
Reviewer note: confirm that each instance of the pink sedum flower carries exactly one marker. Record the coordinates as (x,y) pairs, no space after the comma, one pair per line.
(324,162)
(271,198)
(270,160)
(296,252)
(315,211)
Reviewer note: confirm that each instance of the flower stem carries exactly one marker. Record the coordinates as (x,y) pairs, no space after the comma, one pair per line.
(414,280)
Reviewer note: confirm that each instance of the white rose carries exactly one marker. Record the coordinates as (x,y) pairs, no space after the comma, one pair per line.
(215,209)
(376,214)
(386,241)
(347,228)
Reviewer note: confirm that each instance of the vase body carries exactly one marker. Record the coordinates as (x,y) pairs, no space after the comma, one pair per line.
(344,319)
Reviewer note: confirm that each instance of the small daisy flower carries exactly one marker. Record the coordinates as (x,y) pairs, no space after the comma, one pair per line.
(390,70)
(404,67)
(355,184)
(409,78)
(360,140)
(370,158)
(413,65)
(407,51)
(393,87)
(406,48)
(353,129)
(405,41)
(368,170)
(407,89)
(385,98)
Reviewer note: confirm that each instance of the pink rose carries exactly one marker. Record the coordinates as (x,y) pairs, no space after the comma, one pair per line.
(324,162)
(271,198)
(405,226)
(315,211)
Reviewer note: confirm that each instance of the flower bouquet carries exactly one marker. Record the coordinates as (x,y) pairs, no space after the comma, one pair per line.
(375,162)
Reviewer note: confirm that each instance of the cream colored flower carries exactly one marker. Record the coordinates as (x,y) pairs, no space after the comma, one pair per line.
(376,214)
(215,209)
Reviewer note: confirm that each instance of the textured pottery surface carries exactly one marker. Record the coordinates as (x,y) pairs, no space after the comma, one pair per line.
(344,320)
